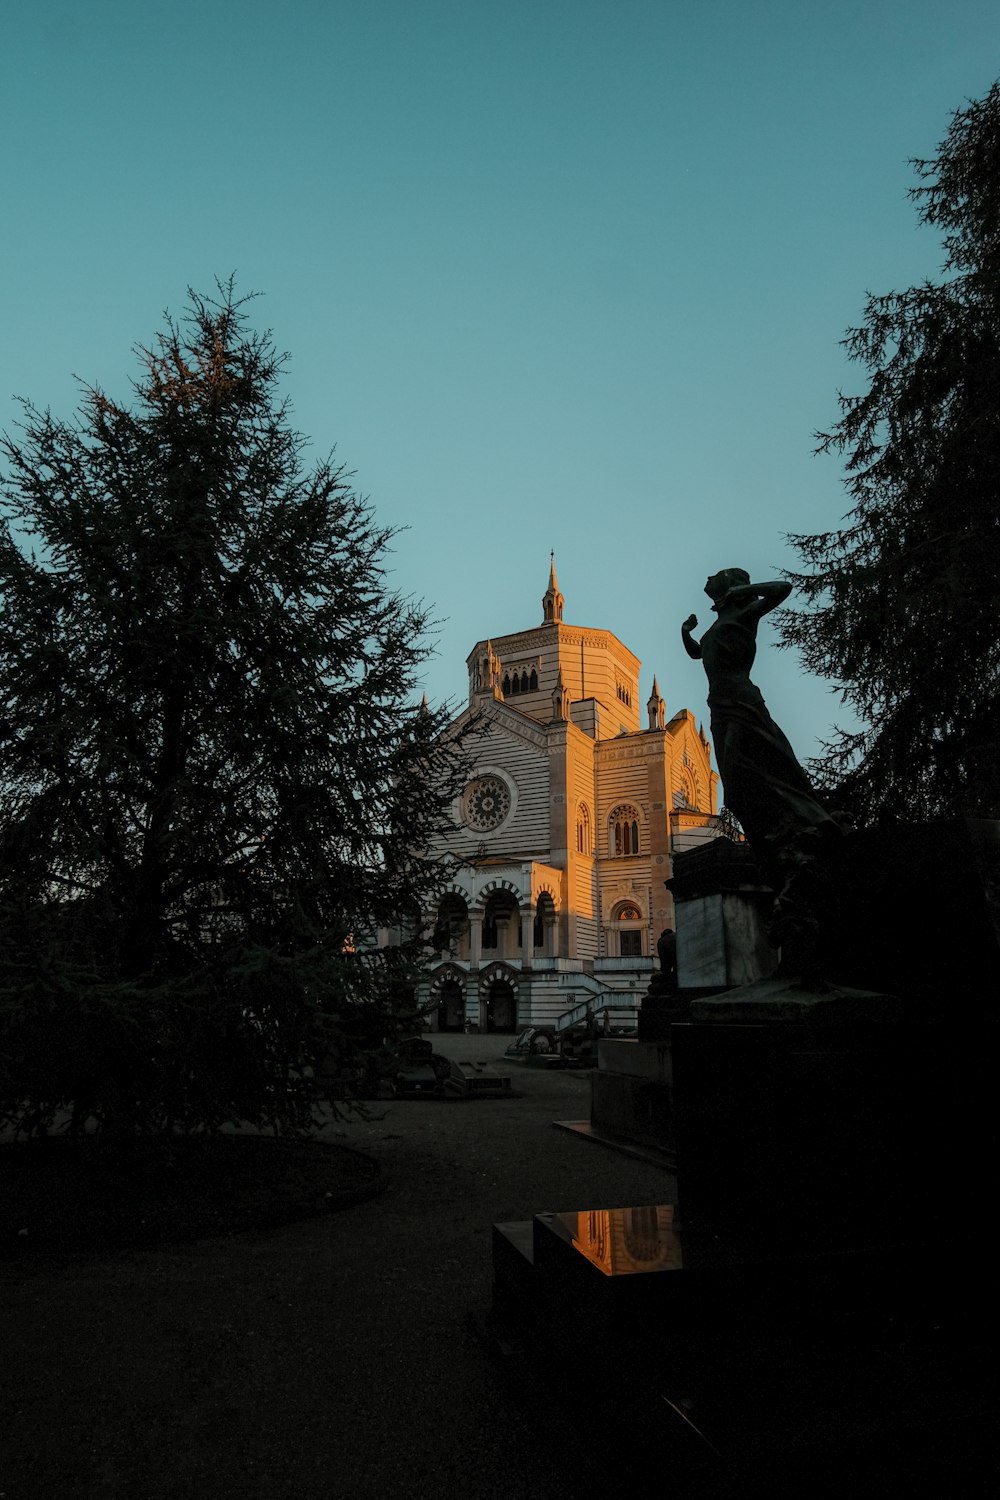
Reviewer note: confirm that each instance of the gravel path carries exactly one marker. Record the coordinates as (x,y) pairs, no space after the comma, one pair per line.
(330,1358)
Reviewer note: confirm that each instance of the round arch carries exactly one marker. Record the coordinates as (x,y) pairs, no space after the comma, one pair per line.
(624,824)
(628,925)
(498,994)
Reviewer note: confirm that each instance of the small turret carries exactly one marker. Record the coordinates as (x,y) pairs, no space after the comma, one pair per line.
(491,672)
(552,600)
(656,708)
(560,699)
(484,676)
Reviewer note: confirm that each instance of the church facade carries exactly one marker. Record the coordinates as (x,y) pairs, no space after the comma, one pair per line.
(564,830)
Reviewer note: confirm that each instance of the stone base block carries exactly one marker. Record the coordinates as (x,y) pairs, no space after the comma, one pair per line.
(739,1365)
(648,1060)
(631,1092)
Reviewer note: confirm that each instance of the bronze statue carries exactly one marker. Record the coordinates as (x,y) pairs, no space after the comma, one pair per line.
(765,786)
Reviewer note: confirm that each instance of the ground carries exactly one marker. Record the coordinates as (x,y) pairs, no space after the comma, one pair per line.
(328,1357)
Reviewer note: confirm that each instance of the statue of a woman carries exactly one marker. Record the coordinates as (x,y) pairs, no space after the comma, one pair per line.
(765,786)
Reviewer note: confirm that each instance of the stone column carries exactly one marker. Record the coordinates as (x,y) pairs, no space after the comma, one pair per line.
(527,936)
(475,939)
(551,942)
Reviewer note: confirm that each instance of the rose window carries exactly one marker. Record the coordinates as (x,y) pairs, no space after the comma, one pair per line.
(486,803)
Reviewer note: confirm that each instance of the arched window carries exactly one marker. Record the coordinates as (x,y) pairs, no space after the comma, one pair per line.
(545,915)
(506,684)
(534,681)
(501,923)
(687,793)
(627,918)
(524,682)
(584,836)
(623,831)
(515,683)
(451,931)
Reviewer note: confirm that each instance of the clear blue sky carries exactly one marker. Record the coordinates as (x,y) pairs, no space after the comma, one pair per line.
(564,274)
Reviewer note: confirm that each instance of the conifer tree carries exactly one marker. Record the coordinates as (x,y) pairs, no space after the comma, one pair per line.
(904,599)
(215,784)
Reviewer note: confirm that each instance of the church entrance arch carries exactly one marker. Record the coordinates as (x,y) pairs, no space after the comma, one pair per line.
(498,999)
(451,1006)
(501,1006)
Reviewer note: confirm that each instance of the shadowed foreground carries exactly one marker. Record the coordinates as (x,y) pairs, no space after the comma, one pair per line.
(328,1358)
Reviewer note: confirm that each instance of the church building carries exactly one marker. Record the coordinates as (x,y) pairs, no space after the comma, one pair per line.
(564,830)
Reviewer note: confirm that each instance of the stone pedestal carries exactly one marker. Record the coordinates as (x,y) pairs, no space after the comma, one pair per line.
(804,1314)
(721,941)
(631,1092)
(736,1365)
(814,1130)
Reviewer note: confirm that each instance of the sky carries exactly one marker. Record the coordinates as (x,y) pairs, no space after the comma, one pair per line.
(565,275)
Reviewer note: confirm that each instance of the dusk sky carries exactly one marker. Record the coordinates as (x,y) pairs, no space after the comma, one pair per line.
(567,274)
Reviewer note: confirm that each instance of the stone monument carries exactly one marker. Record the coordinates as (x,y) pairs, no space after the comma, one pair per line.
(786,823)
(805,1284)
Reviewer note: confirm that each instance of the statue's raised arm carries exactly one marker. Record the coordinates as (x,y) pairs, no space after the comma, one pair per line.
(690,644)
(754,599)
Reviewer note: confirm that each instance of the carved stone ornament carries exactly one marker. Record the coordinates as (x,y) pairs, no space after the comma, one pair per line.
(485,803)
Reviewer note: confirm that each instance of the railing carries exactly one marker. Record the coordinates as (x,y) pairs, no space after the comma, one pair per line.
(594,1004)
(558,965)
(618,965)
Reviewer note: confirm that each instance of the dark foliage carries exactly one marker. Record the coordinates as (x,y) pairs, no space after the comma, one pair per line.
(904,599)
(215,785)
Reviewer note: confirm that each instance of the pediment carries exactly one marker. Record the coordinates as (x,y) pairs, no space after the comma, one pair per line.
(497,718)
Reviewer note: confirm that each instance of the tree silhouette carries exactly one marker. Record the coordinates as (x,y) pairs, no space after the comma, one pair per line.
(904,598)
(215,783)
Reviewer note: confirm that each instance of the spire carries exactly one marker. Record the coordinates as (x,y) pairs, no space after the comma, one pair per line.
(560,699)
(491,674)
(552,600)
(484,675)
(656,708)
